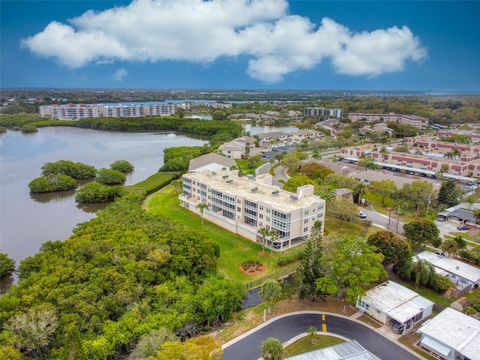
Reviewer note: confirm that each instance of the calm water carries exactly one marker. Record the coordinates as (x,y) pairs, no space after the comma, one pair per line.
(27,221)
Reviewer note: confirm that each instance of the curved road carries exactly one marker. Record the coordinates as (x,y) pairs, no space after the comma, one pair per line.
(286,328)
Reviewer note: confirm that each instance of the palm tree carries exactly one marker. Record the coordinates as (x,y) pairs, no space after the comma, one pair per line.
(316,155)
(422,271)
(359,190)
(274,235)
(264,232)
(178,186)
(202,206)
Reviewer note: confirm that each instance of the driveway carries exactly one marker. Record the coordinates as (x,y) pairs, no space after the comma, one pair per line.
(381,220)
(285,328)
(280,175)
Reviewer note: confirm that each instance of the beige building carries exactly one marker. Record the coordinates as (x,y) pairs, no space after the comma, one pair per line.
(243,205)
(241,148)
(413,120)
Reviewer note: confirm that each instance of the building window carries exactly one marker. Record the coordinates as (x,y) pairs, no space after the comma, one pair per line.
(261,207)
(305,221)
(305,229)
(306,212)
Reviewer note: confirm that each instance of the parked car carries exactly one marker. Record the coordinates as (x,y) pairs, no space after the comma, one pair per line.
(362,215)
(397,328)
(463,228)
(439,252)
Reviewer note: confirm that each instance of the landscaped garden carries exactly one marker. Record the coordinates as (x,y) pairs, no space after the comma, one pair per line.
(234,249)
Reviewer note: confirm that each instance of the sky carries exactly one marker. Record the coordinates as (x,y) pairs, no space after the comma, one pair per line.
(233,44)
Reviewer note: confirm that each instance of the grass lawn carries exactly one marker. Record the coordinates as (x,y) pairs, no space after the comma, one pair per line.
(234,249)
(152,183)
(411,339)
(467,235)
(335,228)
(423,291)
(245,169)
(310,343)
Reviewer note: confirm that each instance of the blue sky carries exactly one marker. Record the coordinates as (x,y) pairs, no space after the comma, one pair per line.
(440,51)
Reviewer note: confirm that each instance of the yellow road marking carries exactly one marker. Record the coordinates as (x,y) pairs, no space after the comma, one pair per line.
(323,317)
(324,327)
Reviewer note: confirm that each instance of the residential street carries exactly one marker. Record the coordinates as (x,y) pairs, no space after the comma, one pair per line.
(381,220)
(249,348)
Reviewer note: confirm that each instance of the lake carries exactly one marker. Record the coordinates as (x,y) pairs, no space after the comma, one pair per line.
(26,221)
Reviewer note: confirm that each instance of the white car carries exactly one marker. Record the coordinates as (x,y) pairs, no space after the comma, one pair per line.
(362,215)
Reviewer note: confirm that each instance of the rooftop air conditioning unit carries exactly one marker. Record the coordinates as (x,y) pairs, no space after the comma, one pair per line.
(225,176)
(255,189)
(229,181)
(276,192)
(294,197)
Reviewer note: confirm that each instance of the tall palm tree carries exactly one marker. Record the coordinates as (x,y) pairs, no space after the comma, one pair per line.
(359,190)
(264,233)
(202,206)
(274,235)
(422,272)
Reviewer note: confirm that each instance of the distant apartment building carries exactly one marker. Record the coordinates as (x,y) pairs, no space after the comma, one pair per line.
(473,135)
(323,112)
(289,138)
(413,120)
(423,164)
(431,144)
(80,111)
(243,205)
(242,147)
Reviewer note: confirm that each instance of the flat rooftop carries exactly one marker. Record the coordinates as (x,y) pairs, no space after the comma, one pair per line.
(456,330)
(450,265)
(254,190)
(399,302)
(350,350)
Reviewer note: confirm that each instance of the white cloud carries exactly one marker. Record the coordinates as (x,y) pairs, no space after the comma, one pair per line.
(276,42)
(120,74)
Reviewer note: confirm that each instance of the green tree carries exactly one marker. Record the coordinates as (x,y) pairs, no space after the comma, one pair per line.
(52,183)
(449,193)
(316,154)
(28,129)
(296,181)
(200,348)
(444,168)
(271,293)
(219,115)
(110,177)
(352,265)
(342,209)
(461,243)
(8,352)
(75,170)
(122,165)
(202,206)
(311,267)
(292,161)
(341,181)
(384,188)
(395,250)
(367,163)
(420,232)
(264,232)
(7,265)
(97,193)
(450,247)
(272,349)
(150,343)
(358,190)
(418,192)
(422,273)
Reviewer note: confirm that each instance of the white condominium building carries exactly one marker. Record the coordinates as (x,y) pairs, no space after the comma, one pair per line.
(323,112)
(413,120)
(80,111)
(243,205)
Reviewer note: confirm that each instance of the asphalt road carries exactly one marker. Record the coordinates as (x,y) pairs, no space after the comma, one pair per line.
(280,175)
(288,327)
(382,220)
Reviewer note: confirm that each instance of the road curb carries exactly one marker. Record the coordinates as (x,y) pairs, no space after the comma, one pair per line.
(268,322)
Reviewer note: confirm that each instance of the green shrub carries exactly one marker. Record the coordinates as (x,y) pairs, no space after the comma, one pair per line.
(469,311)
(290,258)
(97,193)
(2,130)
(7,265)
(110,177)
(28,129)
(122,165)
(76,170)
(52,182)
(441,284)
(16,128)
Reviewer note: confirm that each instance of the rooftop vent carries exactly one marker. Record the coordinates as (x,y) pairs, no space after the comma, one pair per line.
(293,197)
(276,192)
(229,181)
(225,176)
(255,189)
(251,177)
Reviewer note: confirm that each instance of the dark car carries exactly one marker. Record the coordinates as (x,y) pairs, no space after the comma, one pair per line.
(463,228)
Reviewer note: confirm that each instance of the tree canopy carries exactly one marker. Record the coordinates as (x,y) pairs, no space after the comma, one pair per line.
(119,277)
(76,170)
(52,183)
(422,231)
